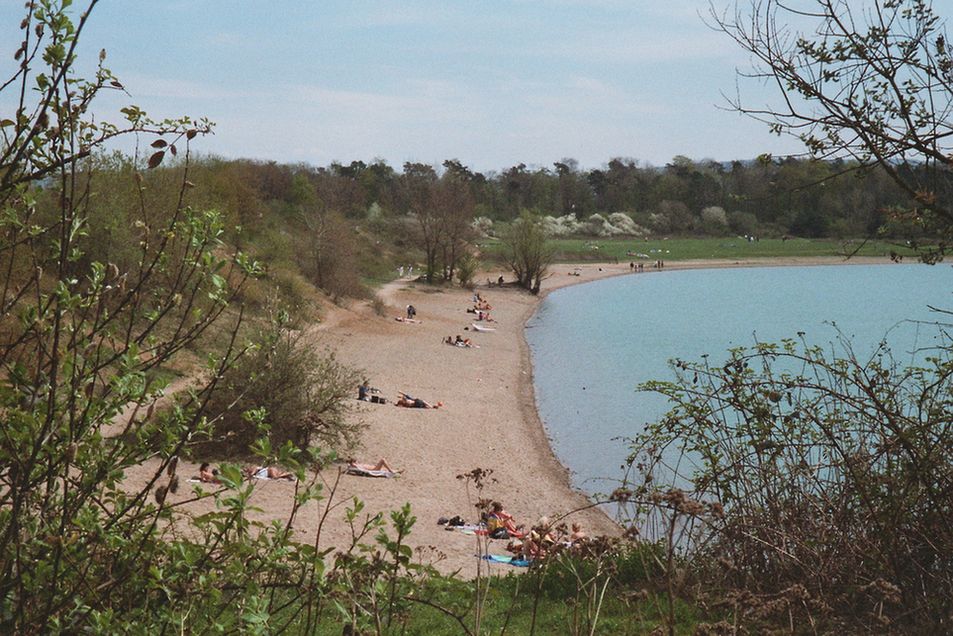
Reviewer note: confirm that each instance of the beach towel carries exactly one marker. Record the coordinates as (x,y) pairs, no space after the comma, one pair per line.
(483,329)
(468,529)
(506,560)
(363,472)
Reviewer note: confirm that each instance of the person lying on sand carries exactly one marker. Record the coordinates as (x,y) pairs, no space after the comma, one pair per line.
(411,402)
(266,472)
(402,319)
(207,474)
(380,465)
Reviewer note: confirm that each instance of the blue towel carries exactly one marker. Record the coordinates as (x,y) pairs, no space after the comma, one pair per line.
(508,560)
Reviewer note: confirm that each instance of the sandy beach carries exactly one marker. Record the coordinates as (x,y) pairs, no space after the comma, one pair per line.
(488,419)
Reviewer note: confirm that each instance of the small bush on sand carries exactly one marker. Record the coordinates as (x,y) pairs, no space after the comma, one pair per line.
(466,269)
(379,306)
(303,391)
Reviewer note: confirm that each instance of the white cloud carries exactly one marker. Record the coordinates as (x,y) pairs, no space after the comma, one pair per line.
(139,86)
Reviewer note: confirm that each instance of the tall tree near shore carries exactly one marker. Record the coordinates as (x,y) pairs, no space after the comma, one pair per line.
(417,192)
(527,251)
(442,208)
(453,201)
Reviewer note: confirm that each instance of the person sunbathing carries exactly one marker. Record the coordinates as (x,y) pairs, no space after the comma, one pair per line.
(577,535)
(462,342)
(411,402)
(207,474)
(380,465)
(266,472)
(538,542)
(499,520)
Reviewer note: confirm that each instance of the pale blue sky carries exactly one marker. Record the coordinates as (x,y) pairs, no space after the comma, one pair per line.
(489,83)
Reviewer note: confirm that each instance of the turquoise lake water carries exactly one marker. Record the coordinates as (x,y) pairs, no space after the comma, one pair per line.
(592,344)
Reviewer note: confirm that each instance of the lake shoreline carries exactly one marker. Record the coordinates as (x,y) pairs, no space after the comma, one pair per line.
(564,276)
(489,418)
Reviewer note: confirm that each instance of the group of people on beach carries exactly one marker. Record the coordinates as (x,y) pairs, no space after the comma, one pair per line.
(481,308)
(535,543)
(209,475)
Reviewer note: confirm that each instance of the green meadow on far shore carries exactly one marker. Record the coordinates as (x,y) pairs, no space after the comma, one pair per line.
(577,250)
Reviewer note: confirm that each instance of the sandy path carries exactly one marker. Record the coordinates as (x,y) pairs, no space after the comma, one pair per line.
(488,419)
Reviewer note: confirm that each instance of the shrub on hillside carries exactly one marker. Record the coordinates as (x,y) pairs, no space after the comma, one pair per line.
(565,225)
(743,223)
(304,393)
(616,224)
(714,220)
(483,226)
(626,225)
(671,216)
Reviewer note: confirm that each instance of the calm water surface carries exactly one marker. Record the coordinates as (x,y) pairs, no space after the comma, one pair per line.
(593,344)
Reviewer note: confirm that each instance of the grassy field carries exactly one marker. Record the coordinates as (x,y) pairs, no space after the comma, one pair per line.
(679,249)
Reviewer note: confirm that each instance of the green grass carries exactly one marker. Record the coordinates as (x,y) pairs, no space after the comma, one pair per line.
(509,610)
(551,598)
(575,250)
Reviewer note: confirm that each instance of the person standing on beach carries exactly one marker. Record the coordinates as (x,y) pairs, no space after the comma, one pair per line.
(411,312)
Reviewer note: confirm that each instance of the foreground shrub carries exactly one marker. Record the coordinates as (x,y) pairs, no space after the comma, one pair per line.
(809,487)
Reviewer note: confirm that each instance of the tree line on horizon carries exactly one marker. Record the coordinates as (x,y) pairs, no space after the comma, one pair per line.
(340,226)
(767,196)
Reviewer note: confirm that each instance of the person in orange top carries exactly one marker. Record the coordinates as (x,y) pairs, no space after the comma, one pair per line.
(500,519)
